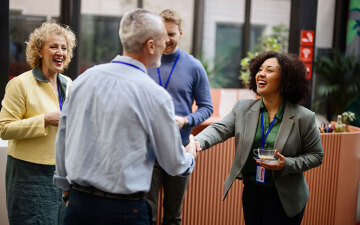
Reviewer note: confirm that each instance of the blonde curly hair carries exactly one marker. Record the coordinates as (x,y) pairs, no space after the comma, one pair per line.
(41,34)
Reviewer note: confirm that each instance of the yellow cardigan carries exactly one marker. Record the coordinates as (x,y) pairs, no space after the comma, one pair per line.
(28,97)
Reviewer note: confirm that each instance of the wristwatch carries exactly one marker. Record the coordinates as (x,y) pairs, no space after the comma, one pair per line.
(186,124)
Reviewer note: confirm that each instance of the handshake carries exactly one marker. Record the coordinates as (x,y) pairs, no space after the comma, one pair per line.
(193,147)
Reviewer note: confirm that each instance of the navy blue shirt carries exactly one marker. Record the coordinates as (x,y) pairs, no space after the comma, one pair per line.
(188,82)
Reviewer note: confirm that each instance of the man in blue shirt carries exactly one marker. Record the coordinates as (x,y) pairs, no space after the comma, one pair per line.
(113,113)
(185,79)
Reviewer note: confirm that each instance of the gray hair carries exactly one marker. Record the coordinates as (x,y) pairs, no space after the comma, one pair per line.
(138,26)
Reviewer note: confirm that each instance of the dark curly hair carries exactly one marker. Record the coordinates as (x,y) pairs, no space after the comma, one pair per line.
(295,87)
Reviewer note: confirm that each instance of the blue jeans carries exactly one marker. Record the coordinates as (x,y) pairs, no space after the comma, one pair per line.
(90,209)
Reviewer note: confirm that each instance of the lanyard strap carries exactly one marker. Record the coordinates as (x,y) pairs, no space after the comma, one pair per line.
(263,137)
(60,102)
(129,64)
(158,70)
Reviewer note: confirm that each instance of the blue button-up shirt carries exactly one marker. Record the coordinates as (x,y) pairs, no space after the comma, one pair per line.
(111,117)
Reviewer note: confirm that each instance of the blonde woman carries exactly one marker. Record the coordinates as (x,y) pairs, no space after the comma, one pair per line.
(28,119)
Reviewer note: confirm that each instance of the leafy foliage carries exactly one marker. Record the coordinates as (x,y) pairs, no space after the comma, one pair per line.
(340,82)
(276,41)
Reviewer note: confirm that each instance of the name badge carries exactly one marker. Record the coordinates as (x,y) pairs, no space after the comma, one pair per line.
(260,174)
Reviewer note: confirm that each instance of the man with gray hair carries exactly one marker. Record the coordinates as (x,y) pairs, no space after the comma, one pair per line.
(113,113)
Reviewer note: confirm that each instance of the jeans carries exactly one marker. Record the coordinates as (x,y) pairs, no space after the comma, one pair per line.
(88,209)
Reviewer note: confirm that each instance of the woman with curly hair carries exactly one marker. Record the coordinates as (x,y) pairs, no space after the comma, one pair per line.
(28,119)
(275,191)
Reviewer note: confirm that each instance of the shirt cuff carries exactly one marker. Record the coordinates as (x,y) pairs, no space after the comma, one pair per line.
(191,167)
(190,121)
(61,182)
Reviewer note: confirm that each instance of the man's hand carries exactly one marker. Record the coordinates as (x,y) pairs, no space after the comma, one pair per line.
(198,147)
(65,197)
(180,121)
(278,165)
(52,118)
(191,147)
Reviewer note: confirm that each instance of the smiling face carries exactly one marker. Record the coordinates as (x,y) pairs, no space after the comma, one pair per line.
(53,55)
(174,34)
(268,78)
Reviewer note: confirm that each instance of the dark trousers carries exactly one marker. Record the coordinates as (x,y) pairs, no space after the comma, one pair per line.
(262,206)
(174,191)
(88,209)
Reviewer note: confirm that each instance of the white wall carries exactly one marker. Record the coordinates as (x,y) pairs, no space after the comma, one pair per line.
(36,7)
(325,23)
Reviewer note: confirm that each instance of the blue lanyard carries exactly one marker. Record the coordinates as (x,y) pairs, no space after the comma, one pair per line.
(129,64)
(167,82)
(60,103)
(263,138)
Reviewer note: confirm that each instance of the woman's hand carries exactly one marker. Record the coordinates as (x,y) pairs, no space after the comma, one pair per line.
(278,165)
(52,118)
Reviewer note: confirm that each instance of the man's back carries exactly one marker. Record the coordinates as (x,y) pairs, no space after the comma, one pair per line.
(116,106)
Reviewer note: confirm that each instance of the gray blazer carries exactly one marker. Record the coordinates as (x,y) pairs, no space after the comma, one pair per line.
(298,140)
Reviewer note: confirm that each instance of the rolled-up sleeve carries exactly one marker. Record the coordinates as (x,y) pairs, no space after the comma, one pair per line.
(169,151)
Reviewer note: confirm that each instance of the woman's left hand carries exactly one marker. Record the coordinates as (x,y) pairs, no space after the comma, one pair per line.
(278,165)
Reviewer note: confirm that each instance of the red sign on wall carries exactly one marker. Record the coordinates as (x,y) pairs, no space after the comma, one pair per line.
(308,70)
(306,54)
(307,38)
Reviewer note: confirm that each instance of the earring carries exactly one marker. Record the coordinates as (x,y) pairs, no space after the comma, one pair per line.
(40,56)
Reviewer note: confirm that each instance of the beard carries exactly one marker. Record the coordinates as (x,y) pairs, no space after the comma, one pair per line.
(158,63)
(170,48)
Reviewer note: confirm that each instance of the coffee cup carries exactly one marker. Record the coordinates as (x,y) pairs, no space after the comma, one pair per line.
(265,154)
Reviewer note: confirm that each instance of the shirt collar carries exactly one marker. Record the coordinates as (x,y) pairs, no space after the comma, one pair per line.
(279,114)
(130,60)
(170,57)
(38,74)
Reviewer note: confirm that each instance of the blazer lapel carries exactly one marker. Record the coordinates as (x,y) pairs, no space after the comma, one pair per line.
(251,122)
(285,127)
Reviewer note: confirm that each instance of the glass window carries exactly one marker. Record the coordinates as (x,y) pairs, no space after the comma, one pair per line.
(228,53)
(20,26)
(99,39)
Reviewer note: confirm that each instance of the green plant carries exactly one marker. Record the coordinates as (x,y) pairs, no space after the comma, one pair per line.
(339,82)
(275,41)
